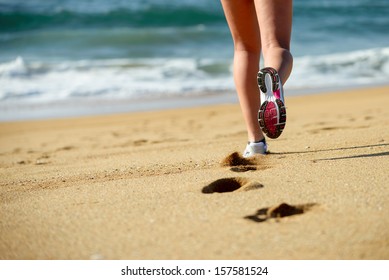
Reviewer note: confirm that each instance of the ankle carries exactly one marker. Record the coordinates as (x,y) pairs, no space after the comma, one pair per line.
(263,140)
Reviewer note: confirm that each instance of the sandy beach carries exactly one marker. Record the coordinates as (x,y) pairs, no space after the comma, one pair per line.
(167,184)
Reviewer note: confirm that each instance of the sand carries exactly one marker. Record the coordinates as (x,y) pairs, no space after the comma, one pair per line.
(166,184)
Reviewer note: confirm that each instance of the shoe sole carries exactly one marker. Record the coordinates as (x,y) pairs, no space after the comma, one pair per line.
(272,118)
(274,77)
(272,113)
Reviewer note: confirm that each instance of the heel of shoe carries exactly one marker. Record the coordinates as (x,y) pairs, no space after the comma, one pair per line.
(274,77)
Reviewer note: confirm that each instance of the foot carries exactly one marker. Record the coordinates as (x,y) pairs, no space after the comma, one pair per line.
(255,148)
(272,112)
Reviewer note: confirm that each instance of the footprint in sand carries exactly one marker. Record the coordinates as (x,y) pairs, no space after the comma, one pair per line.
(326,129)
(43,159)
(66,148)
(241,164)
(237,164)
(139,142)
(279,211)
(231,184)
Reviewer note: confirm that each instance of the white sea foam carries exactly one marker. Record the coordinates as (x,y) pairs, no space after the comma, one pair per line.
(365,67)
(16,67)
(120,78)
(40,82)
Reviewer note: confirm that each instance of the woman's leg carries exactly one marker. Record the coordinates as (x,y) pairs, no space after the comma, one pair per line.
(275,23)
(242,20)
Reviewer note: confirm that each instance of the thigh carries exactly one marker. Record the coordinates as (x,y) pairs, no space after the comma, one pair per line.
(275,22)
(242,20)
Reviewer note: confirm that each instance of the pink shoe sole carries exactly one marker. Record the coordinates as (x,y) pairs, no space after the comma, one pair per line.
(272,118)
(272,113)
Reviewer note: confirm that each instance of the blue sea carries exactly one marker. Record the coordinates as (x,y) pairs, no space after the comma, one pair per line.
(74,57)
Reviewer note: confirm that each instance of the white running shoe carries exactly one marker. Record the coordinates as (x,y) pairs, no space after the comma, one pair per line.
(272,113)
(253,149)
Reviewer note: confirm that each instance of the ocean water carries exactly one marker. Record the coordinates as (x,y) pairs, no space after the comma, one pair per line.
(69,57)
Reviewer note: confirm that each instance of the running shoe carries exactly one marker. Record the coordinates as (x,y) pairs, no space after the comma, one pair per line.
(272,113)
(254,148)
